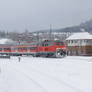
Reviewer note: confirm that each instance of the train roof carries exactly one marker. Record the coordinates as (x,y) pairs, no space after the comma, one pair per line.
(33,43)
(17,44)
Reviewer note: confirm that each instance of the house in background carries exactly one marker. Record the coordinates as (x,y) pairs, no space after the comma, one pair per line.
(79,44)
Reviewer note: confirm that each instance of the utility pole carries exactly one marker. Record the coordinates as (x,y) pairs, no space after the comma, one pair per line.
(38,37)
(50,32)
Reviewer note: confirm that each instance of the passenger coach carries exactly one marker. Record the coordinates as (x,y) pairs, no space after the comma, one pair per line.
(40,49)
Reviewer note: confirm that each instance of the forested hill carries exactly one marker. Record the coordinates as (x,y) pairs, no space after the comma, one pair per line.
(86,25)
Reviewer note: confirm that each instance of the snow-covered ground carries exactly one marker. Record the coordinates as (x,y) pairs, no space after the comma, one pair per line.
(70,74)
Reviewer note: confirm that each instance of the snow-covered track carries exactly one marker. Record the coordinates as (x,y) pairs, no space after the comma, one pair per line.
(28,76)
(25,69)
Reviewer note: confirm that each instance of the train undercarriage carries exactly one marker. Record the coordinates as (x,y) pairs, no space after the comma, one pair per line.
(58,54)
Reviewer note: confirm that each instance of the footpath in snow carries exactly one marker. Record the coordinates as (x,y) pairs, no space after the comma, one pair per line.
(69,74)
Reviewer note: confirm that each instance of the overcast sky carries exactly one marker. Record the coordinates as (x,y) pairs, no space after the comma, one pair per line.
(39,14)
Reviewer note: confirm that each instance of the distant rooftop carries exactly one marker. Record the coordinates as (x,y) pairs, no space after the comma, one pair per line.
(80,35)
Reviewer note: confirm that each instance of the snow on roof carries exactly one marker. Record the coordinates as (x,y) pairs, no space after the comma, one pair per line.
(81,35)
(5,40)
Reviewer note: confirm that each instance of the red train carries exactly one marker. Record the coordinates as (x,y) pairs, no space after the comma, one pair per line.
(45,49)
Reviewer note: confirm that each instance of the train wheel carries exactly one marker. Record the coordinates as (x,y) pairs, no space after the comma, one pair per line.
(60,53)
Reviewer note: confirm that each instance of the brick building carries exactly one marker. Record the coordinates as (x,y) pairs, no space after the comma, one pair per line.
(80,44)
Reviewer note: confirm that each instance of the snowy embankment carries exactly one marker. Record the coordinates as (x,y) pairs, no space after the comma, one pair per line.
(70,74)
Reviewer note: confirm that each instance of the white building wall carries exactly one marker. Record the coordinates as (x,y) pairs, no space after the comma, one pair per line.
(79,42)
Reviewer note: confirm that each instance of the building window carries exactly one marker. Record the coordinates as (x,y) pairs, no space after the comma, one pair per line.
(75,41)
(86,41)
(71,41)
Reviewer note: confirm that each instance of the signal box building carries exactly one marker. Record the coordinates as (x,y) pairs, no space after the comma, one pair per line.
(79,44)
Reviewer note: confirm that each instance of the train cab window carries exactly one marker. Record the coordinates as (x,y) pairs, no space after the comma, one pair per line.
(50,44)
(46,44)
(46,40)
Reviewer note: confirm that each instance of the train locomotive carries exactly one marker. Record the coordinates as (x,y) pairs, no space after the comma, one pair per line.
(38,49)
